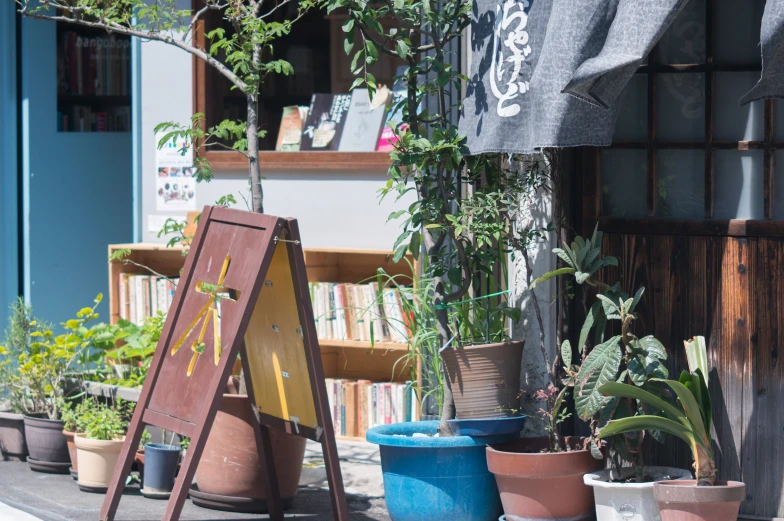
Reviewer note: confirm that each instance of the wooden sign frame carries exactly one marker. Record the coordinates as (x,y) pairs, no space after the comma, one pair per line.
(274,232)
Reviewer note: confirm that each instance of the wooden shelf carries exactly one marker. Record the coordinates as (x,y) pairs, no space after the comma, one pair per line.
(272,160)
(350,359)
(355,344)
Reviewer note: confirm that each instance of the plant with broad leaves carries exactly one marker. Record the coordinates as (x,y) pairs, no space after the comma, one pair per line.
(623,357)
(691,422)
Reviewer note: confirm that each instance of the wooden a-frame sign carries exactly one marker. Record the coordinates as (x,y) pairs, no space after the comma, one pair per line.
(244,291)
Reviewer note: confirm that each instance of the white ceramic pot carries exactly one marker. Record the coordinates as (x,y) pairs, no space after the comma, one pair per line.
(629,501)
(96,460)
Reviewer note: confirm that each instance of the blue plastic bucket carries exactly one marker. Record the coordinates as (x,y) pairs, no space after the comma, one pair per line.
(433,478)
(160,466)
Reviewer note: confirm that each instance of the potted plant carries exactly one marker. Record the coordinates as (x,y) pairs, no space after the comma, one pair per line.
(139,458)
(702,499)
(17,340)
(529,471)
(98,447)
(229,475)
(160,462)
(40,369)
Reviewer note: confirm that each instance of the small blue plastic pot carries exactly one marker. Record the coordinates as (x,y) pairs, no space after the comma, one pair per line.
(160,466)
(429,478)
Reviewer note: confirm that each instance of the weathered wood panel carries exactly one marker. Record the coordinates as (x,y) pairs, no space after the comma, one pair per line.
(731,291)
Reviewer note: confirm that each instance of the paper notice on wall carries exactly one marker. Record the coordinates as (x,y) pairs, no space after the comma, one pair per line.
(175,186)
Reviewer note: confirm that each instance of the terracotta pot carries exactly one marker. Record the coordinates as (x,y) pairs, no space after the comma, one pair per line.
(69,439)
(485,379)
(538,486)
(12,436)
(46,441)
(229,465)
(97,459)
(682,500)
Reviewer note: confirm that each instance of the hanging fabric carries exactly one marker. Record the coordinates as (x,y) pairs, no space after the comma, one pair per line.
(771,84)
(633,34)
(526,52)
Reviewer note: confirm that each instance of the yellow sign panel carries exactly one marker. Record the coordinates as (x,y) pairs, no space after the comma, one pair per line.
(276,350)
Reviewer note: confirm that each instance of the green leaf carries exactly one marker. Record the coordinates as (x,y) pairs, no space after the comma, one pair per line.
(348,25)
(566,353)
(599,368)
(402,49)
(693,412)
(357,82)
(621,390)
(637,372)
(550,274)
(697,356)
(590,320)
(647,423)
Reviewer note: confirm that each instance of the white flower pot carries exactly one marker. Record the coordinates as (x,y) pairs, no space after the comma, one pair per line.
(629,501)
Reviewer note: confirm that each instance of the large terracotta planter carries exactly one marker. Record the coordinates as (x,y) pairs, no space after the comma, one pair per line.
(97,459)
(229,465)
(485,379)
(684,501)
(539,486)
(12,436)
(47,445)
(629,501)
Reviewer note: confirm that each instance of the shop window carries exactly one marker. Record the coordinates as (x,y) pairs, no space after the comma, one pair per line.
(703,156)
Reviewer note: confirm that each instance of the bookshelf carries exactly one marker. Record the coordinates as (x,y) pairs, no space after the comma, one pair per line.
(93,80)
(348,359)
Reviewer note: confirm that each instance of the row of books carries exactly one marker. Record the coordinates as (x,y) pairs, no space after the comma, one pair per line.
(96,66)
(352,311)
(342,122)
(358,405)
(142,296)
(82,118)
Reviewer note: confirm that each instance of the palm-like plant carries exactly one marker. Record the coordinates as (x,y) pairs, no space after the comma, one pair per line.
(691,422)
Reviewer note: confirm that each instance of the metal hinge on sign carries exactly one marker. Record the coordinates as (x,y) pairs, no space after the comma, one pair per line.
(277,239)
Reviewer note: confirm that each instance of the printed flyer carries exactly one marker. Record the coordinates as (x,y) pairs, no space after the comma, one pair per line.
(175,185)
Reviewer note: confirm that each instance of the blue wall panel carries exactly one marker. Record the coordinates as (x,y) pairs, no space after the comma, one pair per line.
(9,236)
(77,190)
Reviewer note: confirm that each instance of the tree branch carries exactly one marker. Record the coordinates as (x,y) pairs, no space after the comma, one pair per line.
(149,35)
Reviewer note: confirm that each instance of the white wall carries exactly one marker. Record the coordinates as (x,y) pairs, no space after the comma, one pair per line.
(334,209)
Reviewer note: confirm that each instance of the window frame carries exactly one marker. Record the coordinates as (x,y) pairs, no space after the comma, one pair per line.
(707,226)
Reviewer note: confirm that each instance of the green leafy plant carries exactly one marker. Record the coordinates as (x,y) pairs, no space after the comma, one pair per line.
(691,421)
(465,235)
(42,364)
(623,357)
(18,340)
(74,414)
(104,421)
(243,55)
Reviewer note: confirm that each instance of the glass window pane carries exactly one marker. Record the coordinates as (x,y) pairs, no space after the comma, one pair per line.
(778,186)
(632,124)
(734,123)
(738,25)
(623,183)
(739,190)
(680,184)
(680,107)
(684,41)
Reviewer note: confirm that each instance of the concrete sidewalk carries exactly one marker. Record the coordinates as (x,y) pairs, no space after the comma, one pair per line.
(50,497)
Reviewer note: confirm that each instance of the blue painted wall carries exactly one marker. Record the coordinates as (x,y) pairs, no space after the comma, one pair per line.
(77,191)
(9,237)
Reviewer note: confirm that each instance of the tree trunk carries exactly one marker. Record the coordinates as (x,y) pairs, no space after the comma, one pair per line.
(252,132)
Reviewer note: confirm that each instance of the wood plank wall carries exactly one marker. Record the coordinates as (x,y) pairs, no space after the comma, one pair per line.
(731,291)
